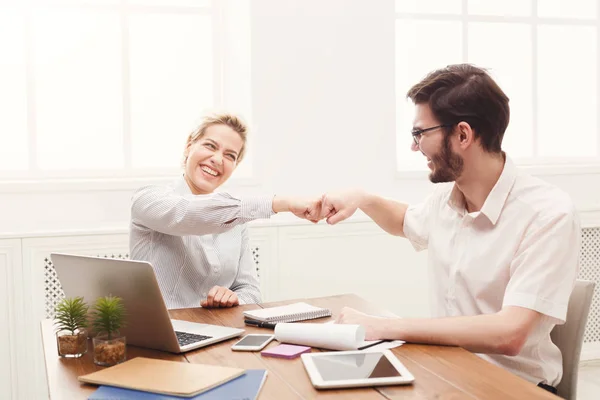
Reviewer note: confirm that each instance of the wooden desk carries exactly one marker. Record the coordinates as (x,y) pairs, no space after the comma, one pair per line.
(440,372)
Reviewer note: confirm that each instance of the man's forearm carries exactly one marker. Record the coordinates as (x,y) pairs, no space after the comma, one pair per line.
(489,334)
(388,214)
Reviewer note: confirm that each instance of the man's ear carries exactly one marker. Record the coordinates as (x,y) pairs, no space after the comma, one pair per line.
(466,135)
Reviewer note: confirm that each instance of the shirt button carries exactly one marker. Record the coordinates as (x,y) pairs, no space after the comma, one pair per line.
(215,270)
(203,294)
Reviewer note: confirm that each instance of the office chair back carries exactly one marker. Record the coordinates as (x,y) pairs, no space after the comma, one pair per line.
(569,337)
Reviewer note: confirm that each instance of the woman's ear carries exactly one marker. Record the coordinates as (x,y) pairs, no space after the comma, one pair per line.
(186,152)
(188,148)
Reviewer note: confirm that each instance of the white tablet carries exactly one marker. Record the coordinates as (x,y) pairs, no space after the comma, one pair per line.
(341,369)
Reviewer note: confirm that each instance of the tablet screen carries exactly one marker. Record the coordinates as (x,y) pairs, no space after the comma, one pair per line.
(354,366)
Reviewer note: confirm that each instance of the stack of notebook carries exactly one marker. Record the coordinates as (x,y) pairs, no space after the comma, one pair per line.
(288,313)
(149,379)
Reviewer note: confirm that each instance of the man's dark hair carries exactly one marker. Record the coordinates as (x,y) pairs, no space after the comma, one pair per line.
(463,92)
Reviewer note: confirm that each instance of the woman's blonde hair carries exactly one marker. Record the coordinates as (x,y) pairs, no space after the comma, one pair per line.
(233,121)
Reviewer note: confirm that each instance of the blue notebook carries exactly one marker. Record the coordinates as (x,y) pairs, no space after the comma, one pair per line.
(246,387)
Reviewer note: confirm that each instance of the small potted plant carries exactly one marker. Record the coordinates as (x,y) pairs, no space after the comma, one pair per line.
(70,316)
(108,316)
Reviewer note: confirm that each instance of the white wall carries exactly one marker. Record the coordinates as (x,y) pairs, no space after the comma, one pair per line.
(323,78)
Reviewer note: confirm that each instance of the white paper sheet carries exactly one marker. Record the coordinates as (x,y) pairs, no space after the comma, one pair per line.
(324,336)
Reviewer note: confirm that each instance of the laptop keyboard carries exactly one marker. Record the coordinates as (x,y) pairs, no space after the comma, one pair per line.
(185,338)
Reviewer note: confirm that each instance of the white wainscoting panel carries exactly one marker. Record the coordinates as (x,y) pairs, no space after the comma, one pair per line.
(356,258)
(12,378)
(35,253)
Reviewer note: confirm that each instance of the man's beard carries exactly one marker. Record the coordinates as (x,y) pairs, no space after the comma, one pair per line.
(447,165)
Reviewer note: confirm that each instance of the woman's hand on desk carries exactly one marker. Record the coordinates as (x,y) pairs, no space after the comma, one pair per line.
(220,297)
(374,326)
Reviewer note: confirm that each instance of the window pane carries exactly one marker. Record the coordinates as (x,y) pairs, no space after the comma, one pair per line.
(429,6)
(421,47)
(13,100)
(519,8)
(567,8)
(567,101)
(193,3)
(237,91)
(487,49)
(77,64)
(171,84)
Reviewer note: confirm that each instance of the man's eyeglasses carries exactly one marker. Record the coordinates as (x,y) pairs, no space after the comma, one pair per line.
(416,133)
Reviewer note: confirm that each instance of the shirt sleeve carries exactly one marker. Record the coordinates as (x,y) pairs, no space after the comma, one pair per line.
(417,221)
(544,269)
(246,284)
(163,210)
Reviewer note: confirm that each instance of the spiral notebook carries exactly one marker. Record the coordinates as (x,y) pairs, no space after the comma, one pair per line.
(288,313)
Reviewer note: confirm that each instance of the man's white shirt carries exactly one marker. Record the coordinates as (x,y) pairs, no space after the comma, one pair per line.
(521,249)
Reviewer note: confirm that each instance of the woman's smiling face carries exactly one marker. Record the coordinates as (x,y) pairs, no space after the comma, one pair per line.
(212,158)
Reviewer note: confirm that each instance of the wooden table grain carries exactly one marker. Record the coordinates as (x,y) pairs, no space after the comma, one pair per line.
(441,372)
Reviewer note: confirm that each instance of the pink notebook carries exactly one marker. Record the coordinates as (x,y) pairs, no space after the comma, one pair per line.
(285,351)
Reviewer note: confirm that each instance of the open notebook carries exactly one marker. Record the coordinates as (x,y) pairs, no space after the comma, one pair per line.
(288,313)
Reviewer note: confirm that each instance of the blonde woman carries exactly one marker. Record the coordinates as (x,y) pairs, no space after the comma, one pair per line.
(195,238)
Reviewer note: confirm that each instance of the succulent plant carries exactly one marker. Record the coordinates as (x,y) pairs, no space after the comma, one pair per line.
(71,314)
(108,315)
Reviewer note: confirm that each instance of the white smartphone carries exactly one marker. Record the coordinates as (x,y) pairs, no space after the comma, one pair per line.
(253,342)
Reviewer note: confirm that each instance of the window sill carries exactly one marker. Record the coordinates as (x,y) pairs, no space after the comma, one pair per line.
(277,221)
(98,184)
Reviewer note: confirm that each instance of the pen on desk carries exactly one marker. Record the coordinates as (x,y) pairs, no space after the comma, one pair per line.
(260,324)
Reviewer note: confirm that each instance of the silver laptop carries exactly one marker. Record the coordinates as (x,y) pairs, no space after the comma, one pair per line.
(148,321)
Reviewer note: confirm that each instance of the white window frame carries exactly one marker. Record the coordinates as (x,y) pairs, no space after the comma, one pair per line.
(35,179)
(543,166)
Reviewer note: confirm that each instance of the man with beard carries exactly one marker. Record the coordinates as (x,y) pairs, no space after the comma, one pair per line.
(503,246)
